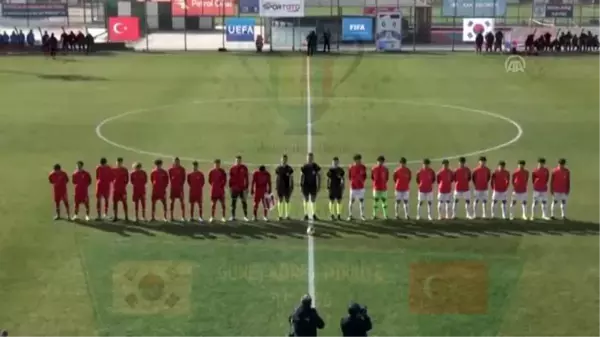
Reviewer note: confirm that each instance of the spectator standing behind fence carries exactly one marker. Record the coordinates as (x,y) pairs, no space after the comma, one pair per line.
(327,41)
(30,38)
(311,43)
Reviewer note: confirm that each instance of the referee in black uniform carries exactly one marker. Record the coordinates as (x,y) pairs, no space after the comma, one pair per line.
(310,183)
(335,185)
(284,184)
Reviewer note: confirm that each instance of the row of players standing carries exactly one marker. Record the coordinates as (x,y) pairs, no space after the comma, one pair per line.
(448,180)
(69,42)
(564,42)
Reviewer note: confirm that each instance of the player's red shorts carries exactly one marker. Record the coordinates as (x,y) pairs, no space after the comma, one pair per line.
(138,197)
(81,198)
(119,197)
(176,194)
(197,198)
(217,197)
(158,196)
(60,196)
(259,196)
(103,193)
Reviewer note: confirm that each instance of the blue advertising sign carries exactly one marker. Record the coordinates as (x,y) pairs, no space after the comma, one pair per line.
(34,10)
(249,6)
(474,8)
(357,29)
(240,29)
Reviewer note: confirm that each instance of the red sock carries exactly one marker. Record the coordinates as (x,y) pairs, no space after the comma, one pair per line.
(105,205)
(67,207)
(136,206)
(191,210)
(116,209)
(153,208)
(98,206)
(164,204)
(212,209)
(87,208)
(125,209)
(172,207)
(76,208)
(182,208)
(223,208)
(200,209)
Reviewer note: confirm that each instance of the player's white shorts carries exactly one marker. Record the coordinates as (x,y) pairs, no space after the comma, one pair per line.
(560,197)
(425,196)
(462,195)
(519,197)
(481,195)
(444,197)
(499,196)
(357,194)
(540,196)
(402,195)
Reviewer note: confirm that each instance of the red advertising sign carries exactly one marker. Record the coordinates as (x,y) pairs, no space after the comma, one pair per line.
(203,7)
(123,28)
(375,10)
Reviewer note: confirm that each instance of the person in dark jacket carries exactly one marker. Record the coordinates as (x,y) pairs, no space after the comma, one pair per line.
(305,320)
(311,43)
(30,38)
(327,41)
(478,42)
(357,323)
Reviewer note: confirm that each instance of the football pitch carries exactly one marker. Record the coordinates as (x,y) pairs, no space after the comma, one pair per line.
(459,277)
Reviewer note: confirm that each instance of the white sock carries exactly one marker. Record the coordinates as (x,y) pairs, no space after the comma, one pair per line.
(429,209)
(468,209)
(350,205)
(439,209)
(533,205)
(524,209)
(512,209)
(397,208)
(544,209)
(474,208)
(361,208)
(454,208)
(493,208)
(448,207)
(406,208)
(503,206)
(483,207)
(563,209)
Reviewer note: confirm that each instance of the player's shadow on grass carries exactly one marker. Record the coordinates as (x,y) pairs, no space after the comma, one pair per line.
(296,229)
(57,77)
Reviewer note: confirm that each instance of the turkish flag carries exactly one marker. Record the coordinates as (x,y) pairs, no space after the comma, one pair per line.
(123,28)
(449,287)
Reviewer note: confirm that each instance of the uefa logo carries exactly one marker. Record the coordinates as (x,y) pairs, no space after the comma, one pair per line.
(514,64)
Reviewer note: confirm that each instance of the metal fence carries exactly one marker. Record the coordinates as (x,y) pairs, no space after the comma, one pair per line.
(424,23)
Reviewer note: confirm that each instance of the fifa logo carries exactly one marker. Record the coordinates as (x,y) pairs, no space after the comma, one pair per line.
(514,64)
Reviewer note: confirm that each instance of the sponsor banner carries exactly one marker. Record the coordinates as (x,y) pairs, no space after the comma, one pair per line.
(388,35)
(249,6)
(472,27)
(372,10)
(357,29)
(240,29)
(34,10)
(282,8)
(559,11)
(203,7)
(123,28)
(474,8)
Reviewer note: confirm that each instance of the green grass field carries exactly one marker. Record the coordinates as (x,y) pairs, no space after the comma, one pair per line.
(417,278)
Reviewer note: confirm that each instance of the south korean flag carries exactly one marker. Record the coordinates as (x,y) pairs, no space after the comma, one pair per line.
(474,26)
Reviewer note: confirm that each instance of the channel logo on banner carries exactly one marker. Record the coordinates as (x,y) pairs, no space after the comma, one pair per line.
(249,6)
(357,29)
(282,8)
(240,29)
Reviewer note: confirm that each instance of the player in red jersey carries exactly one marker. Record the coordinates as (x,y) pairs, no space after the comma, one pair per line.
(238,185)
(139,179)
(59,180)
(560,187)
(402,177)
(444,179)
(217,179)
(159,178)
(177,177)
(82,181)
(104,176)
(481,182)
(119,189)
(540,178)
(357,174)
(500,182)
(520,180)
(425,180)
(462,189)
(261,188)
(380,176)
(195,180)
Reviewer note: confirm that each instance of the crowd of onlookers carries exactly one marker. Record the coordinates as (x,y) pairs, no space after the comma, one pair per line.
(66,42)
(17,38)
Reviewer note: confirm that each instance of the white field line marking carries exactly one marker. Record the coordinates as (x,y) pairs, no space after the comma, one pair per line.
(309,148)
(356,99)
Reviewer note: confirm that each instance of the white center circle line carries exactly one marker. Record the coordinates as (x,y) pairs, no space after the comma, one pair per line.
(108,120)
